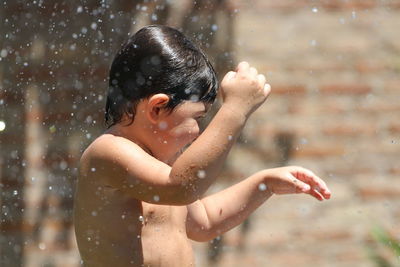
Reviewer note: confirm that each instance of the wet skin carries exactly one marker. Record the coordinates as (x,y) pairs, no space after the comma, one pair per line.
(139,196)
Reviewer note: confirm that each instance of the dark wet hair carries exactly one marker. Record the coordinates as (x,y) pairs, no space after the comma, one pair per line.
(158,59)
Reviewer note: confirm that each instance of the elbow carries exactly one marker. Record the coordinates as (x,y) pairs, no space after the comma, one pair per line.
(203,233)
(183,194)
(201,236)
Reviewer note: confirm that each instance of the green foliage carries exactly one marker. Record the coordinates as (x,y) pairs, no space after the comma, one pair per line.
(382,238)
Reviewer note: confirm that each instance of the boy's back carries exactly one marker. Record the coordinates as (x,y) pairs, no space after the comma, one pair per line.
(114,229)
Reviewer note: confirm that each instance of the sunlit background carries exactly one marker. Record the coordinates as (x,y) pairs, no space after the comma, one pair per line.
(334,67)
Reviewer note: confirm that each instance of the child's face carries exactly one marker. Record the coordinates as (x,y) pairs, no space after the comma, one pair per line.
(181,127)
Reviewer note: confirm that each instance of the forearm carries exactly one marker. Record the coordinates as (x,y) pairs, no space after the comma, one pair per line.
(230,207)
(200,164)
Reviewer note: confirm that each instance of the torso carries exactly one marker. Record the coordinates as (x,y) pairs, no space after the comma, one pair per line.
(113,229)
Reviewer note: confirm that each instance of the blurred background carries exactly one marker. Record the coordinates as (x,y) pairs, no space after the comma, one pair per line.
(334,67)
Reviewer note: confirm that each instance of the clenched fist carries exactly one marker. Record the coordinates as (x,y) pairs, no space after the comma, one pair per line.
(244,90)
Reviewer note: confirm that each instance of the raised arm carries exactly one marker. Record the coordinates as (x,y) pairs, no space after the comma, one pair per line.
(128,168)
(220,212)
(243,92)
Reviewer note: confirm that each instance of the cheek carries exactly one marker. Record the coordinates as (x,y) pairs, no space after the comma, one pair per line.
(189,129)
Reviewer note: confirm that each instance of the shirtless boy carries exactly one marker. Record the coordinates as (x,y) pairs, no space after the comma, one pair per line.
(140,190)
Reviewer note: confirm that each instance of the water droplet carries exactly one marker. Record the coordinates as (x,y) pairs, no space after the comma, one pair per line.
(156,198)
(94,213)
(123,216)
(138,236)
(79,9)
(163,125)
(15,192)
(3,53)
(42,246)
(52,129)
(313,42)
(353,15)
(214,27)
(63,165)
(303,141)
(230,137)
(141,218)
(93,169)
(93,26)
(262,187)
(201,174)
(2,126)
(314,10)
(194,98)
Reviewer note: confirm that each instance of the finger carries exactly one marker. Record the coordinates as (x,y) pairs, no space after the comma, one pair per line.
(253,71)
(315,194)
(267,89)
(243,67)
(261,80)
(299,186)
(230,75)
(316,183)
(321,186)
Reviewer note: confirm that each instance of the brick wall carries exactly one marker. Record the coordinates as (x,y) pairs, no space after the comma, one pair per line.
(334,69)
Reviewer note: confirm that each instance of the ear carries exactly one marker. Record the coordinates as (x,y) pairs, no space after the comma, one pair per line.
(155,107)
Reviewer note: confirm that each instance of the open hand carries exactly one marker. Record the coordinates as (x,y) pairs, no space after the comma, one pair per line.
(294,179)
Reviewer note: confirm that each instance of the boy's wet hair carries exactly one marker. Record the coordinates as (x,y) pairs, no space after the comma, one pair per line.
(158,59)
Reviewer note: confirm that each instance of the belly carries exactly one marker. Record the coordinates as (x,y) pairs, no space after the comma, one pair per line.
(163,246)
(128,232)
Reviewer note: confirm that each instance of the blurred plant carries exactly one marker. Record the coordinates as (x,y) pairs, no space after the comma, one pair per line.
(383,239)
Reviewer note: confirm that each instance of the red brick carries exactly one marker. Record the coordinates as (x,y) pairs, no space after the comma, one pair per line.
(350,254)
(366,67)
(61,116)
(349,130)
(12,96)
(394,170)
(319,151)
(379,108)
(374,192)
(394,128)
(351,4)
(288,90)
(392,86)
(351,89)
(332,234)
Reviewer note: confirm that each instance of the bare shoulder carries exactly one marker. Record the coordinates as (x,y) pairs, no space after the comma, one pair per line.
(118,162)
(109,151)
(108,144)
